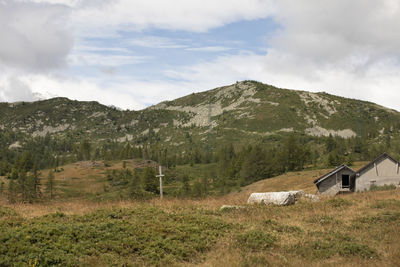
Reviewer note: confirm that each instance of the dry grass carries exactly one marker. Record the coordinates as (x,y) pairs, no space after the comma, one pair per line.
(87,177)
(320,222)
(301,180)
(361,229)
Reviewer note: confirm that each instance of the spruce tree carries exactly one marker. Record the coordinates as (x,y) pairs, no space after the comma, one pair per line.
(185,189)
(135,190)
(1,188)
(33,185)
(12,192)
(149,180)
(50,184)
(22,185)
(204,184)
(197,189)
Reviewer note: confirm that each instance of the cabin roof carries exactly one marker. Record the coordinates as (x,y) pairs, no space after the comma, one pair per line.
(382,156)
(337,169)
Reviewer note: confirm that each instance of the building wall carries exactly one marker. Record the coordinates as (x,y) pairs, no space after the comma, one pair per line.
(331,186)
(385,173)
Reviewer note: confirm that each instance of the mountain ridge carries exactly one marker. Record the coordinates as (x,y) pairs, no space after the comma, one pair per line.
(233,113)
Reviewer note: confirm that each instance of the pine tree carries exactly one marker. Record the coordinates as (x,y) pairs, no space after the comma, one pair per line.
(50,184)
(197,189)
(1,188)
(22,185)
(134,187)
(254,166)
(185,188)
(349,160)
(204,184)
(85,149)
(14,174)
(33,185)
(149,180)
(330,144)
(12,192)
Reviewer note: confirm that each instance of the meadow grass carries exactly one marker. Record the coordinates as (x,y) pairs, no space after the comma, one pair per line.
(361,229)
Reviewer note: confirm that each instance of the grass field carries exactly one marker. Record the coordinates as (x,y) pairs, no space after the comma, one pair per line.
(360,229)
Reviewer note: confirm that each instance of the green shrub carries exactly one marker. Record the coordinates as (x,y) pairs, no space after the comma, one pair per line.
(7,212)
(356,249)
(142,235)
(255,240)
(328,247)
(275,226)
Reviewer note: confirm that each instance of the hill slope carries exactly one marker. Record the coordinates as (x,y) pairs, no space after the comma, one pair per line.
(240,113)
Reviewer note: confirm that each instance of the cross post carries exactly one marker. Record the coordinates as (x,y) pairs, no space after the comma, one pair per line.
(161,185)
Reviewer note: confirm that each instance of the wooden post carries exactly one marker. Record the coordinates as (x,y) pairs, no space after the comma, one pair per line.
(161,185)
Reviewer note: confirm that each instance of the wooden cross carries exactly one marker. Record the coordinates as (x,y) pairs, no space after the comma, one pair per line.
(160,176)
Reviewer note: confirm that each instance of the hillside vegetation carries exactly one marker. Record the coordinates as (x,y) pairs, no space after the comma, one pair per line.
(210,143)
(239,114)
(360,229)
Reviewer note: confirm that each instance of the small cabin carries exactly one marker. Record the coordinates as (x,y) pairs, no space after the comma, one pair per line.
(336,181)
(384,170)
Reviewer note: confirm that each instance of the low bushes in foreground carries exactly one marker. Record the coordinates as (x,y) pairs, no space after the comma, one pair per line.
(145,236)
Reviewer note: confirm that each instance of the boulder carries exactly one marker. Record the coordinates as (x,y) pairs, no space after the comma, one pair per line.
(298,194)
(276,198)
(313,198)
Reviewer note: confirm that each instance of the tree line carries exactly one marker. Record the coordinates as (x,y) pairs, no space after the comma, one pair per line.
(233,166)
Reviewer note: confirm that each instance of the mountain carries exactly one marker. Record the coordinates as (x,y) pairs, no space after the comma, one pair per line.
(241,113)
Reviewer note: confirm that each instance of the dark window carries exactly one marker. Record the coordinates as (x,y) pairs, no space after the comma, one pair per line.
(345,181)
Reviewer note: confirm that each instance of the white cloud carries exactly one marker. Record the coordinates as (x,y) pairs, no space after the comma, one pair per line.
(193,15)
(156,42)
(34,36)
(92,59)
(351,34)
(117,94)
(121,91)
(209,49)
(344,47)
(12,89)
(94,49)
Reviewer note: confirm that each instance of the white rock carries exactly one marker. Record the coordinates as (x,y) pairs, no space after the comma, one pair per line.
(313,198)
(276,198)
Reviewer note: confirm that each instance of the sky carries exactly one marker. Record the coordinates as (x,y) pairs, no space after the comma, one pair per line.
(133,53)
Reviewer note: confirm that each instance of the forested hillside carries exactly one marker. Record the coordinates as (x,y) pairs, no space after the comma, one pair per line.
(219,139)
